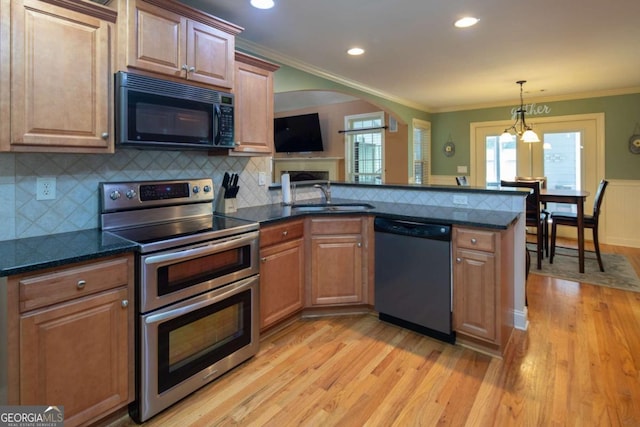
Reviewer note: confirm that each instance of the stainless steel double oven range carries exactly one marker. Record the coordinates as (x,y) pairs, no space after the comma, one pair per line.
(197,286)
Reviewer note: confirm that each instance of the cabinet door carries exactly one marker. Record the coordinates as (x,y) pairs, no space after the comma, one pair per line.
(336,269)
(61,80)
(475,294)
(209,55)
(281,281)
(157,39)
(5,70)
(76,354)
(254,109)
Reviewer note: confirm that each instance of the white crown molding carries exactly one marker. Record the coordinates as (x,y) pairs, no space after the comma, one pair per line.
(276,56)
(551,98)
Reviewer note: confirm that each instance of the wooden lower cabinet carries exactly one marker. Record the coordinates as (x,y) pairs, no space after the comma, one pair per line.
(339,264)
(483,288)
(76,355)
(73,344)
(281,271)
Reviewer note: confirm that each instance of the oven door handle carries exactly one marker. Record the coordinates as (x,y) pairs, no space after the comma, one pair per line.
(210,248)
(201,302)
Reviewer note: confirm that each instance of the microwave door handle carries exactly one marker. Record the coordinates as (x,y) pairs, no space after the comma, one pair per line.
(217,114)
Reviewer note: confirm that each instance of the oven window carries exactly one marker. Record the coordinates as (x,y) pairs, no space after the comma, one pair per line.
(163,119)
(174,277)
(196,340)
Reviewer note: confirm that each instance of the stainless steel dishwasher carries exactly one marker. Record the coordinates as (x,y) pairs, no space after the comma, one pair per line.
(413,276)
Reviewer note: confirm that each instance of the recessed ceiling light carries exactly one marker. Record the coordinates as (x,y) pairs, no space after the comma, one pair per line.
(467,21)
(355,51)
(262,4)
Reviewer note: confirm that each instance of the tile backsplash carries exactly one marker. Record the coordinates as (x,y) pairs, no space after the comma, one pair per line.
(77,176)
(76,206)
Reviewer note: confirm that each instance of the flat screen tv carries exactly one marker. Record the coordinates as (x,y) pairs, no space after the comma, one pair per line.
(297,134)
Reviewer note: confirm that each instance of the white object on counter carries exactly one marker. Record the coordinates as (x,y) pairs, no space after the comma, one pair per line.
(286,189)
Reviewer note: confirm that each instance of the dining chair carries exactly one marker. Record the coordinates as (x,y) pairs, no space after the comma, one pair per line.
(543,210)
(534,217)
(462,180)
(590,221)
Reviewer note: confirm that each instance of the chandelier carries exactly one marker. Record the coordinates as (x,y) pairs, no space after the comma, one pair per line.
(520,127)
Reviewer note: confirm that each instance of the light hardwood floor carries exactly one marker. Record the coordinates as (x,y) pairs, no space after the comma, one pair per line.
(578,364)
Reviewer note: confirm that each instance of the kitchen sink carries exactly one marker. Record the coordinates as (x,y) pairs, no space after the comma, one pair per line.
(333,207)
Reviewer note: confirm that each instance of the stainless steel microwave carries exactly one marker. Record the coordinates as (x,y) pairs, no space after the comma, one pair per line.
(162,114)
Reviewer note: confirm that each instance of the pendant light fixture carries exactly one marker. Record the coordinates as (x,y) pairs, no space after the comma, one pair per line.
(520,126)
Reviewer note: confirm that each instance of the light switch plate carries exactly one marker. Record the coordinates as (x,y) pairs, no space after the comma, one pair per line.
(262,178)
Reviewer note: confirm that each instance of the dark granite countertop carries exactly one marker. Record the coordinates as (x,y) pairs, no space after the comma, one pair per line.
(435,214)
(35,253)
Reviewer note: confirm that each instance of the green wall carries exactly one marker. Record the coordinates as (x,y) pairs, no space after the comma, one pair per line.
(622,119)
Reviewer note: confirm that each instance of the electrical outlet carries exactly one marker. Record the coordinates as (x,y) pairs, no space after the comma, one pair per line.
(459,200)
(45,188)
(262,178)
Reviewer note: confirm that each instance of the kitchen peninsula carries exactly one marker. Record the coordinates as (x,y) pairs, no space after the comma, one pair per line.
(488,232)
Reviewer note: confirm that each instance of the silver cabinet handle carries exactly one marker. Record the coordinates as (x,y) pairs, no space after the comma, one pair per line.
(359,244)
(105,135)
(192,69)
(474,241)
(263,259)
(81,284)
(185,67)
(285,232)
(458,260)
(124,303)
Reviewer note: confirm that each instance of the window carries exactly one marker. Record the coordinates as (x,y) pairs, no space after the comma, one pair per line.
(364,147)
(501,160)
(421,151)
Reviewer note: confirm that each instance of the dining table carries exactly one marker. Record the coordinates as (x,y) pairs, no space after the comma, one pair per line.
(574,197)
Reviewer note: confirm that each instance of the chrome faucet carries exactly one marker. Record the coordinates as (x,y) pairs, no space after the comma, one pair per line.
(326,191)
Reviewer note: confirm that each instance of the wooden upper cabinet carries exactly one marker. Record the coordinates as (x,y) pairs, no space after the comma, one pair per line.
(170,38)
(5,70)
(253,105)
(61,72)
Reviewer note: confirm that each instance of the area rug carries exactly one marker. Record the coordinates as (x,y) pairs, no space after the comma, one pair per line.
(619,273)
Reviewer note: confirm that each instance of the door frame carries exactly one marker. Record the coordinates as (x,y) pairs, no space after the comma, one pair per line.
(595,157)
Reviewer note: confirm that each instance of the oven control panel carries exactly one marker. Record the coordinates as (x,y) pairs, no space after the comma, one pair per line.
(120,196)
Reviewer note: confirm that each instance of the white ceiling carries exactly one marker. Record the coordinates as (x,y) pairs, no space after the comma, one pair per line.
(415,56)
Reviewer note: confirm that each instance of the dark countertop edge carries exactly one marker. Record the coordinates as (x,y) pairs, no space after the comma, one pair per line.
(268,214)
(12,271)
(36,253)
(375,213)
(413,187)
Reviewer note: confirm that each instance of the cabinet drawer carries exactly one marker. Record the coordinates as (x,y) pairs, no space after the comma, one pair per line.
(332,225)
(63,285)
(476,239)
(281,233)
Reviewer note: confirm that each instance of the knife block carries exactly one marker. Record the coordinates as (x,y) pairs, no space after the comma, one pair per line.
(230,205)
